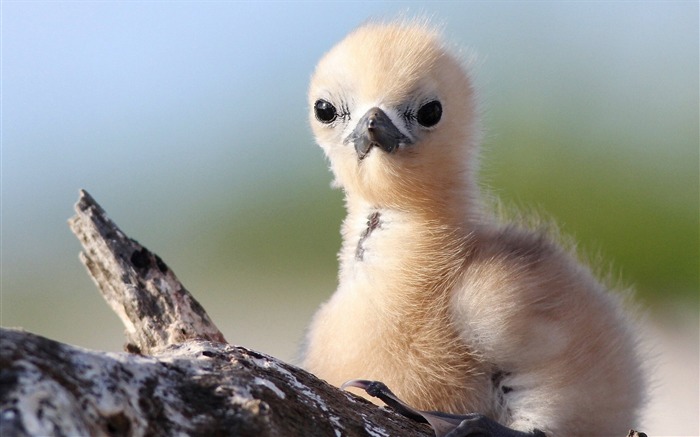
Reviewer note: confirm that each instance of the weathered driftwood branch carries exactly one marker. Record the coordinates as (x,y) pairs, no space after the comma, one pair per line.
(183,377)
(193,388)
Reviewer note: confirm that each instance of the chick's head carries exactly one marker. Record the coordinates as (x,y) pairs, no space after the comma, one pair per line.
(394,111)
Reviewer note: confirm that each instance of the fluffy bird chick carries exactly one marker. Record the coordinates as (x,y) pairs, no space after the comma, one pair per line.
(452,309)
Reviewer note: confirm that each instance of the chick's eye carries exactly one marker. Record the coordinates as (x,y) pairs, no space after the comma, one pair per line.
(429,114)
(325,111)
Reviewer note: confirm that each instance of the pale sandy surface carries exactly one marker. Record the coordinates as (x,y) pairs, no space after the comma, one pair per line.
(674,407)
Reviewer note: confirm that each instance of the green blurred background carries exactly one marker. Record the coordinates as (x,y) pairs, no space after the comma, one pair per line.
(187,121)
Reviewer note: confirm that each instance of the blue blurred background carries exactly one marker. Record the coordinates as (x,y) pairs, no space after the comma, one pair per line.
(187,121)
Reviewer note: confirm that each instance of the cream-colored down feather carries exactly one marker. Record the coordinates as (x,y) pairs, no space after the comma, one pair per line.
(452,309)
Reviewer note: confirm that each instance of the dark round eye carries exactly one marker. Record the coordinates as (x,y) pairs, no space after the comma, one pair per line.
(325,112)
(429,114)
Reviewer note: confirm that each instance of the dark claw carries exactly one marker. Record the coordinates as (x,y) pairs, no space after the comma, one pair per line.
(378,389)
(444,424)
(479,425)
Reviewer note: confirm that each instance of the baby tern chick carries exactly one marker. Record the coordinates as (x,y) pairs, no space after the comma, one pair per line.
(438,298)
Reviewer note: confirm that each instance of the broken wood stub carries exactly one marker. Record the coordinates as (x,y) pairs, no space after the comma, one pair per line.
(154,306)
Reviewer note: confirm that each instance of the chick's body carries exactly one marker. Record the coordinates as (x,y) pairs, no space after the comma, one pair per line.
(452,309)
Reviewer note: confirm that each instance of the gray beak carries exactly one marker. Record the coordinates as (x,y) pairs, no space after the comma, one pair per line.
(376,129)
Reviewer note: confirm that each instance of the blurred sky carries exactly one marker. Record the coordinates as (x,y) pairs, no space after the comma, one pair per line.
(177,116)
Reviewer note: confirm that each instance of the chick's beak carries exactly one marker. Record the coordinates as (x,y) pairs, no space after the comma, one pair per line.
(376,129)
